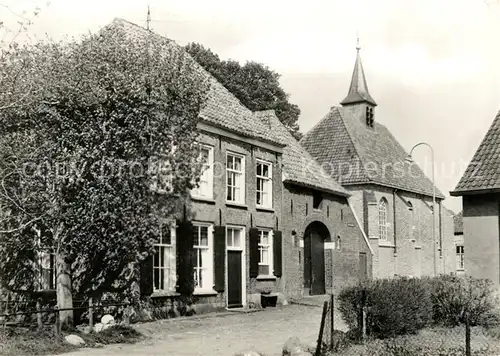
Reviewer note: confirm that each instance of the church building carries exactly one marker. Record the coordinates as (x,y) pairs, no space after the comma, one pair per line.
(409,235)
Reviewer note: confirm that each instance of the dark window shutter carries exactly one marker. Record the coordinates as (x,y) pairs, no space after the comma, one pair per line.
(277,250)
(185,253)
(219,258)
(146,275)
(253,236)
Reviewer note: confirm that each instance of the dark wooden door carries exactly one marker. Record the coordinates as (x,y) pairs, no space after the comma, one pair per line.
(234,288)
(317,264)
(314,264)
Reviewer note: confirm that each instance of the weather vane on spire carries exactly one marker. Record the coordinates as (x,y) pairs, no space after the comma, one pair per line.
(148,20)
(357,41)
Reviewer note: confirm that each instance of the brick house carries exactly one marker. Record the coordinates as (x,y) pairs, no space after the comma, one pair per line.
(391,196)
(479,188)
(264,216)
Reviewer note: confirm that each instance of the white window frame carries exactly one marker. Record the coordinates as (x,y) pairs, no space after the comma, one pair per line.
(49,257)
(266,182)
(460,257)
(382,219)
(242,186)
(208,261)
(172,268)
(241,248)
(207,176)
(270,250)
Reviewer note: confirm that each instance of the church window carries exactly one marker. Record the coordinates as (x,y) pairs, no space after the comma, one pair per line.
(382,219)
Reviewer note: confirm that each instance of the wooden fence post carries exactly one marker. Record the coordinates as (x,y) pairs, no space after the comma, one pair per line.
(467,335)
(91,313)
(39,314)
(321,328)
(58,320)
(332,324)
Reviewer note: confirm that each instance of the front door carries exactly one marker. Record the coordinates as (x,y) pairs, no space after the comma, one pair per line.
(314,264)
(235,242)
(234,292)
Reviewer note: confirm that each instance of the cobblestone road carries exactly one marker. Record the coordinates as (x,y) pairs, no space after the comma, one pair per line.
(265,331)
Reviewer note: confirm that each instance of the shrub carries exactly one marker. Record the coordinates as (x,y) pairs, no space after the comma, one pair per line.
(453,297)
(394,306)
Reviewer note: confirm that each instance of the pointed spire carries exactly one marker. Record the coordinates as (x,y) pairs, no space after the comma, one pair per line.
(148,20)
(358,91)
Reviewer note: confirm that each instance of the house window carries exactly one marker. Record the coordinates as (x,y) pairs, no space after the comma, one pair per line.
(47,270)
(382,219)
(203,260)
(264,184)
(235,168)
(460,256)
(204,189)
(164,274)
(265,253)
(234,237)
(317,200)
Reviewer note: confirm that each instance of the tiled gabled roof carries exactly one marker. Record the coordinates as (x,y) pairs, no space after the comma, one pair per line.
(298,166)
(222,108)
(483,171)
(357,154)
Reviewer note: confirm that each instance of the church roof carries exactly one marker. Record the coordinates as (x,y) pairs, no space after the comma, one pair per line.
(483,172)
(354,153)
(222,108)
(358,90)
(298,166)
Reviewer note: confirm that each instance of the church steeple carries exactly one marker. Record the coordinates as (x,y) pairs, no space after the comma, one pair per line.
(358,91)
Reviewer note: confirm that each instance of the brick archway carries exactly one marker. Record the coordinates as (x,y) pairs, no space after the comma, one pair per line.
(315,235)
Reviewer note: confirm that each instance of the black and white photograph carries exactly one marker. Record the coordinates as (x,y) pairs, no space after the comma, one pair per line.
(265,178)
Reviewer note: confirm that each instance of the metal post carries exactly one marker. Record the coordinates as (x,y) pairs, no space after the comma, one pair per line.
(321,328)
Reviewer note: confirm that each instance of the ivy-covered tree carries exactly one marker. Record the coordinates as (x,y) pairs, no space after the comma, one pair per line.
(255,85)
(94,157)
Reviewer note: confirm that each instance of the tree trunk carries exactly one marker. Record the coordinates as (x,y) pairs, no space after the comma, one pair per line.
(64,297)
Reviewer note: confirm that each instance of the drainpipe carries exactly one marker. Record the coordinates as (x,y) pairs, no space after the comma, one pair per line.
(394,220)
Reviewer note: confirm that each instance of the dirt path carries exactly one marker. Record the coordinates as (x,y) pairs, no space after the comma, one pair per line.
(265,331)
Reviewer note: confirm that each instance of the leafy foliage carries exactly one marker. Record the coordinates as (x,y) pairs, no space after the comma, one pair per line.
(254,84)
(97,146)
(405,305)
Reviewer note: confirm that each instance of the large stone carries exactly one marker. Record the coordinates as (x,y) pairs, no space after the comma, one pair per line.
(107,319)
(293,347)
(249,353)
(74,340)
(98,327)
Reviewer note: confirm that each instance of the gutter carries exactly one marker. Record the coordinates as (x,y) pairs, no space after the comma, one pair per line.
(359,225)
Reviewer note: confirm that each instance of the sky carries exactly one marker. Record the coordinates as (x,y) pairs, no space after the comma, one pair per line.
(431,65)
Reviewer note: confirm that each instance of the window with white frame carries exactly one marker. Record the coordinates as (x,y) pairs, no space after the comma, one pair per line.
(460,256)
(204,189)
(203,260)
(47,268)
(235,175)
(234,237)
(265,253)
(382,219)
(264,184)
(164,274)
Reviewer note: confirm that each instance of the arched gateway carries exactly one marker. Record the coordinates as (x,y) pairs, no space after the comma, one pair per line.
(314,258)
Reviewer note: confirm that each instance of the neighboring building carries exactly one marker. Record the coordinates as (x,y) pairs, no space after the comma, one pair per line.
(479,188)
(264,217)
(459,243)
(391,196)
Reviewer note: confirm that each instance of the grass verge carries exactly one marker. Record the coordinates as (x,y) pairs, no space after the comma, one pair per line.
(24,341)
